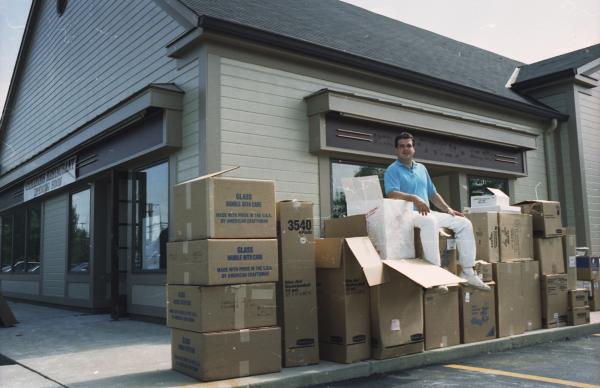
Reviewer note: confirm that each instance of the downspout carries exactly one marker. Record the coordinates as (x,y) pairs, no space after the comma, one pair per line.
(547,133)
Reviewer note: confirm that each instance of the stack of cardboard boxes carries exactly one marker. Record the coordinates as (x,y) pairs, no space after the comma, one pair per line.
(221,272)
(588,278)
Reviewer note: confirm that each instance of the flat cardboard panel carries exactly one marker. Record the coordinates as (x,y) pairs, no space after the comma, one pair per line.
(510,301)
(328,252)
(546,217)
(423,273)
(218,308)
(485,228)
(441,318)
(217,262)
(364,252)
(549,253)
(391,229)
(554,300)
(531,294)
(477,314)
(7,317)
(217,207)
(569,259)
(226,354)
(351,226)
(516,239)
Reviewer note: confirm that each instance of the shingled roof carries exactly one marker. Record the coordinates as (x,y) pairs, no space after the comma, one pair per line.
(345,28)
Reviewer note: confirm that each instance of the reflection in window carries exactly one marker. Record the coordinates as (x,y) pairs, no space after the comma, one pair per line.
(151,215)
(7,233)
(21,240)
(341,169)
(34,214)
(79,232)
(478,185)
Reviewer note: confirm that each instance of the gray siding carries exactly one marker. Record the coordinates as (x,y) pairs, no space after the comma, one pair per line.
(54,245)
(535,184)
(81,64)
(589,119)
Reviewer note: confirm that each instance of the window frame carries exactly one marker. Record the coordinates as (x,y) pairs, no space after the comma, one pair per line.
(23,210)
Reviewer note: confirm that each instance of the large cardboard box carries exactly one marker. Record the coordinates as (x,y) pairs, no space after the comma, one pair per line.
(578,298)
(496,198)
(226,354)
(343,301)
(297,290)
(546,217)
(510,302)
(218,207)
(579,316)
(549,253)
(477,314)
(485,228)
(588,268)
(516,239)
(569,258)
(554,300)
(218,262)
(441,317)
(593,289)
(219,308)
(448,251)
(532,310)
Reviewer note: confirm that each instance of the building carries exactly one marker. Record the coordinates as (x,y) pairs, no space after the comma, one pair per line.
(113,103)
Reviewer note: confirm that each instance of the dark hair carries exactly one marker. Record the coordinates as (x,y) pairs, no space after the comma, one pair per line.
(403,135)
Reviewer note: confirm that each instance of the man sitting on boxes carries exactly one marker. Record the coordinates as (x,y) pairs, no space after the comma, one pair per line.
(408,180)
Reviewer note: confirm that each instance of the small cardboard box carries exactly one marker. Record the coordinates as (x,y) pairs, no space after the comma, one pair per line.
(516,240)
(549,253)
(448,252)
(510,301)
(532,310)
(442,327)
(218,308)
(218,262)
(477,314)
(593,289)
(485,228)
(588,268)
(546,217)
(497,198)
(578,298)
(297,290)
(484,270)
(554,300)
(579,316)
(217,207)
(226,354)
(569,258)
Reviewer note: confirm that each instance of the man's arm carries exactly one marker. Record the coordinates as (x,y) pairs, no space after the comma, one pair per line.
(421,206)
(438,201)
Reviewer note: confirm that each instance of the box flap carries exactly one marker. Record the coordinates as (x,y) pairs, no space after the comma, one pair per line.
(328,252)
(423,273)
(352,226)
(497,192)
(210,175)
(368,258)
(362,194)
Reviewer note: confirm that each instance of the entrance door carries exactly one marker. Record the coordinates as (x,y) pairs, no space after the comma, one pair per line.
(120,242)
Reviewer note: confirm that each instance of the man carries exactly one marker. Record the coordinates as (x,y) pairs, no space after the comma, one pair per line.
(408,180)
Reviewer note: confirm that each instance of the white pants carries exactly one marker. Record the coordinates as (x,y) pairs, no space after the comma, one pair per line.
(463,231)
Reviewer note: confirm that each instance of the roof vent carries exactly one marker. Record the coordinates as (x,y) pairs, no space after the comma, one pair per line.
(61,5)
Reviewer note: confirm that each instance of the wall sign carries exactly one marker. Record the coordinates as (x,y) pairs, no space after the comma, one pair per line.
(51,179)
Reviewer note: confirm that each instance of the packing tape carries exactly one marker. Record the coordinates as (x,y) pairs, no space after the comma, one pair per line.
(245,335)
(395,325)
(239,306)
(265,293)
(188,230)
(186,277)
(184,247)
(245,368)
(444,342)
(188,196)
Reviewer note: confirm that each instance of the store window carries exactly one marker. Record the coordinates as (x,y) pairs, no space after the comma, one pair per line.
(79,231)
(21,240)
(342,169)
(151,217)
(478,185)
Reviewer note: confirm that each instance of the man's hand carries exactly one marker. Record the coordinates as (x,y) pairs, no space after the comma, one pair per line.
(421,206)
(453,212)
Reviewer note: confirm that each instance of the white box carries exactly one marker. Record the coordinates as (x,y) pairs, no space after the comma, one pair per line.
(497,198)
(495,208)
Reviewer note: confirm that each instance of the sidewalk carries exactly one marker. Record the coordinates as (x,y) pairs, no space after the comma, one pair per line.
(54,347)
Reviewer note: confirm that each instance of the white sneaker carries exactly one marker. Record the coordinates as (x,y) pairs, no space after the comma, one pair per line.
(442,289)
(474,281)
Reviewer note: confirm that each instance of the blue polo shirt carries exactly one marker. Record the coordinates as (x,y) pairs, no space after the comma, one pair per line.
(414,180)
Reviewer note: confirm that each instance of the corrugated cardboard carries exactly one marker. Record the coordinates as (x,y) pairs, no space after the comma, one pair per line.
(554,300)
(217,262)
(477,314)
(484,270)
(351,226)
(532,310)
(297,290)
(485,228)
(497,198)
(546,217)
(219,308)
(593,290)
(226,354)
(579,316)
(7,318)
(569,258)
(217,207)
(448,252)
(549,253)
(588,268)
(578,298)
(441,318)
(510,302)
(516,239)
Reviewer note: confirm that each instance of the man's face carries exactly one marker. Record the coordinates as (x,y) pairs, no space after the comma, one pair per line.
(405,150)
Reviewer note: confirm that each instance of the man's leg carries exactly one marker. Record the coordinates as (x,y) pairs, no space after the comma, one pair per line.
(429,237)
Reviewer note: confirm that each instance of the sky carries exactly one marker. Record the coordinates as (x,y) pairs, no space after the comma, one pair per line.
(524,30)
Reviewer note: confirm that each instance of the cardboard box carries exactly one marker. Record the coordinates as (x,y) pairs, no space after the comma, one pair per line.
(495,209)
(510,303)
(218,262)
(578,298)
(297,290)
(351,226)
(217,207)
(588,268)
(485,228)
(554,300)
(516,240)
(484,270)
(579,316)
(549,253)
(546,217)
(496,198)
(532,310)
(593,290)
(343,302)
(226,354)
(477,314)
(569,258)
(219,308)
(448,251)
(441,318)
